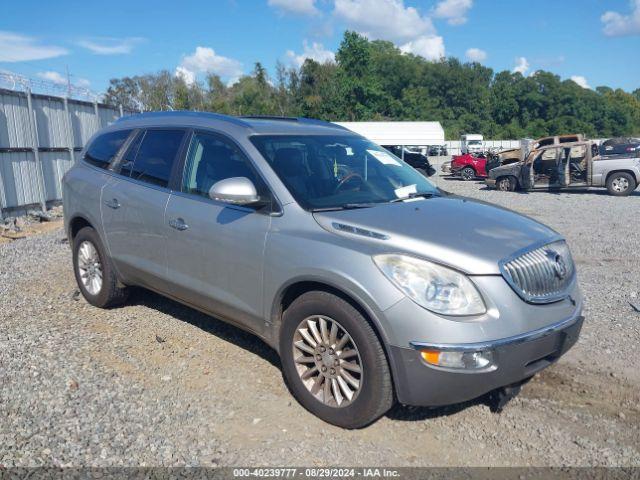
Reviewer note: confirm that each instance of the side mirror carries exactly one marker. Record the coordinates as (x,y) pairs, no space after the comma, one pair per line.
(235,190)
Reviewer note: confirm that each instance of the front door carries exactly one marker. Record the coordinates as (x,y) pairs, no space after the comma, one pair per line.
(546,173)
(215,250)
(133,205)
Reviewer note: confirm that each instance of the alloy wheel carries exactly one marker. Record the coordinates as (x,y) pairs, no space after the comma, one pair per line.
(90,267)
(327,361)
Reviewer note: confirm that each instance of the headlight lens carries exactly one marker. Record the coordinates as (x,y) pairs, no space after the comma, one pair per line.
(432,286)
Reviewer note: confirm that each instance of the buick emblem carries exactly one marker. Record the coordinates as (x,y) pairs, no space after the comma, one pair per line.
(559,266)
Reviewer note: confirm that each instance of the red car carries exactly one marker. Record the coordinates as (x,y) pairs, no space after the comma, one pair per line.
(468,167)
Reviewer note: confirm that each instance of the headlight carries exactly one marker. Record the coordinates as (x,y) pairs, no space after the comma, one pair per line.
(432,286)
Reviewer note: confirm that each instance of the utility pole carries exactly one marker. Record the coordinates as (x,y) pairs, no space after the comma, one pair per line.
(66,67)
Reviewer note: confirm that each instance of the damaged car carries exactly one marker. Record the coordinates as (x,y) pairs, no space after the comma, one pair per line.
(569,165)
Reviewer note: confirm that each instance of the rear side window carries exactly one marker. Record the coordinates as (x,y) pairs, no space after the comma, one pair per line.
(104,148)
(155,156)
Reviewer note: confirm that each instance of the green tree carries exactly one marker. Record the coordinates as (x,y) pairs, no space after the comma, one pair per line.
(374,80)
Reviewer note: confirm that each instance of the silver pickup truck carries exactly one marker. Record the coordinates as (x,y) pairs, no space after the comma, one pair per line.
(569,165)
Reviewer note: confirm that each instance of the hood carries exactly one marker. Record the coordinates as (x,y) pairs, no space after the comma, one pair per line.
(511,168)
(465,234)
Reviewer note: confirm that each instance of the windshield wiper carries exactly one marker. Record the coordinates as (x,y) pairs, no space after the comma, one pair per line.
(346,206)
(415,195)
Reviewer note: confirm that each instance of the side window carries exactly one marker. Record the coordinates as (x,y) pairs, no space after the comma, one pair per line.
(212,158)
(155,156)
(104,148)
(130,155)
(578,153)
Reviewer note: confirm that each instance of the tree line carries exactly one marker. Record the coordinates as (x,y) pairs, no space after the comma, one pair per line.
(373,80)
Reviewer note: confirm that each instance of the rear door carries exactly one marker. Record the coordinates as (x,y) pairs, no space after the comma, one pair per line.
(133,205)
(215,250)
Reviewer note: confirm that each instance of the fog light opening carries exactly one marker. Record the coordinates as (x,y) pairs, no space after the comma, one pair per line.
(463,360)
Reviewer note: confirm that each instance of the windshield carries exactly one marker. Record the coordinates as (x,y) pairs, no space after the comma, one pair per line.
(474,142)
(330,171)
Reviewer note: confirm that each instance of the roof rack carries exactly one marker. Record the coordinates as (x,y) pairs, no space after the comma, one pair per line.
(185,113)
(308,121)
(270,117)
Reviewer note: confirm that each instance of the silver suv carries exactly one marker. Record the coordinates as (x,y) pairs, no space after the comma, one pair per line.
(373,285)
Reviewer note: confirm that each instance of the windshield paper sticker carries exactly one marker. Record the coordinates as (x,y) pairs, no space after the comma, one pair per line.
(383,157)
(404,192)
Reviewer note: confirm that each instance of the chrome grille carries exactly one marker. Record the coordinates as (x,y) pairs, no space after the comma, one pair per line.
(542,275)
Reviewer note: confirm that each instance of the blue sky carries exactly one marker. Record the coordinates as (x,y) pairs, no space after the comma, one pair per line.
(594,41)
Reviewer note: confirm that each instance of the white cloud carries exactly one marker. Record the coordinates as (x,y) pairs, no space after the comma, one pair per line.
(476,55)
(455,11)
(187,75)
(53,77)
(580,80)
(59,79)
(384,19)
(430,47)
(205,60)
(20,48)
(521,66)
(299,7)
(315,51)
(617,24)
(111,46)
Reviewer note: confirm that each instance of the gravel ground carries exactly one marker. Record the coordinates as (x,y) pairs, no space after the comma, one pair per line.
(156,383)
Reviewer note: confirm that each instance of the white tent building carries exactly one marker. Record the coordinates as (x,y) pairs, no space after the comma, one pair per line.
(399,133)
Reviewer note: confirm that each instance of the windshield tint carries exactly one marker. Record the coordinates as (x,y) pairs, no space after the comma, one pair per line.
(335,171)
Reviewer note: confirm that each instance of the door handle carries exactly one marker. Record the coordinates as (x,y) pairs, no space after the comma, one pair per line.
(178,224)
(112,203)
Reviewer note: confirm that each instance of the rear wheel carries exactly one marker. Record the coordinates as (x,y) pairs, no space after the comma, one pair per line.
(621,184)
(333,361)
(506,184)
(467,173)
(94,273)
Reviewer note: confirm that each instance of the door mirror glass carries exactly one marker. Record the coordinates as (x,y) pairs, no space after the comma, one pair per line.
(235,190)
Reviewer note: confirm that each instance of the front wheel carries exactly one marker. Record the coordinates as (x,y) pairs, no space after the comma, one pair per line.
(467,173)
(506,184)
(621,184)
(333,362)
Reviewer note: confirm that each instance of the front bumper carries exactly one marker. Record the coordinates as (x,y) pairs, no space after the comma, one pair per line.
(515,359)
(491,182)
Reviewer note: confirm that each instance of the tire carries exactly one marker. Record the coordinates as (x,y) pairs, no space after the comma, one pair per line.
(467,173)
(374,395)
(621,184)
(506,184)
(108,294)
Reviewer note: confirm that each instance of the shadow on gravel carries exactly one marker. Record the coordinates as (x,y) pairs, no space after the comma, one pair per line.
(407,413)
(207,323)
